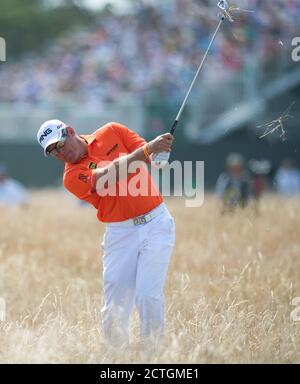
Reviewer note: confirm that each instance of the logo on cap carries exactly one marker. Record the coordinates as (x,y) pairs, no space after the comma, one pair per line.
(45,134)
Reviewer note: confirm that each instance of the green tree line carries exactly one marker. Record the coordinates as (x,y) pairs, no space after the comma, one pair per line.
(27,25)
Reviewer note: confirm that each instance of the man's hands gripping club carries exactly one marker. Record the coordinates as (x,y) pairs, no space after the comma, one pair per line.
(161,144)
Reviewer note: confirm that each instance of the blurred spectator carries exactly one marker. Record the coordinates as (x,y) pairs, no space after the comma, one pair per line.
(287,179)
(12,193)
(234,186)
(259,173)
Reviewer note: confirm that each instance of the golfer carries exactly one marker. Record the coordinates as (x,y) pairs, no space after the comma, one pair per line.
(139,234)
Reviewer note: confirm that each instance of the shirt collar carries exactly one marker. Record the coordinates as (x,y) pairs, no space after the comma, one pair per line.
(88,138)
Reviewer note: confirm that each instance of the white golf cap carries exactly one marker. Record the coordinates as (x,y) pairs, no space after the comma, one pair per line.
(49,133)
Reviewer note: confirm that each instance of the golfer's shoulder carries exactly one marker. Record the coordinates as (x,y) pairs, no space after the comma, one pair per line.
(110,128)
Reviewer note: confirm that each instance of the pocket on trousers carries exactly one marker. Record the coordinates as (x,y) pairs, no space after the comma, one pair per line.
(168,226)
(173,225)
(111,238)
(171,222)
(104,241)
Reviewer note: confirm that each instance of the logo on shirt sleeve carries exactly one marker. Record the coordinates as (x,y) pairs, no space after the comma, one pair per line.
(83,178)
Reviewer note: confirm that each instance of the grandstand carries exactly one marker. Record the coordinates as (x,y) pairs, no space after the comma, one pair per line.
(135,67)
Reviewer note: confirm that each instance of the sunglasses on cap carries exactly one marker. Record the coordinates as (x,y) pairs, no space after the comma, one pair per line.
(59,145)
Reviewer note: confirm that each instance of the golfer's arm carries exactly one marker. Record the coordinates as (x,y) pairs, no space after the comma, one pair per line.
(121,162)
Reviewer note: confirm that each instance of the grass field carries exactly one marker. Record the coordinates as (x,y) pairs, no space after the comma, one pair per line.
(228,294)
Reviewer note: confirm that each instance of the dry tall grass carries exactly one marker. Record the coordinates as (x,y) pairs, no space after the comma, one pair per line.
(228,293)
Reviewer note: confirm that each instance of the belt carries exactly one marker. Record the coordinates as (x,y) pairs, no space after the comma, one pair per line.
(140,220)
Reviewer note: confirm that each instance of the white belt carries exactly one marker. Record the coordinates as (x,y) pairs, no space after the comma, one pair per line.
(140,220)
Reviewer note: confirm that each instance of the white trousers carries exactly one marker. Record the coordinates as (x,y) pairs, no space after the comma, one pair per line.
(135,264)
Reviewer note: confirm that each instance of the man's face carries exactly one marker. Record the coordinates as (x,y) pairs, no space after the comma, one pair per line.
(66,150)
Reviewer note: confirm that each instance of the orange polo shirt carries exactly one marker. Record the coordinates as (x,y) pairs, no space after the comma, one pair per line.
(105,145)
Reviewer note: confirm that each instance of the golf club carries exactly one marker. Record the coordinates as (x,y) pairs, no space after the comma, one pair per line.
(160,159)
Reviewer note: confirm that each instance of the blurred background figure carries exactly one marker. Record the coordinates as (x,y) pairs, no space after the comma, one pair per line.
(260,171)
(234,186)
(12,192)
(287,179)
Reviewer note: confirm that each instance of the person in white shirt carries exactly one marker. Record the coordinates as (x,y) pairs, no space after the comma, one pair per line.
(287,179)
(12,192)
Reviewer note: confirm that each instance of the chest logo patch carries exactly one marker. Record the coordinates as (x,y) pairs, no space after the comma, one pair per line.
(92,165)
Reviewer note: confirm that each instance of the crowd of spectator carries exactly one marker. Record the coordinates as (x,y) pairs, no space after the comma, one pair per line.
(241,182)
(151,51)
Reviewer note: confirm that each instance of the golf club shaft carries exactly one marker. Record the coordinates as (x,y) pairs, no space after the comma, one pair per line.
(195,78)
